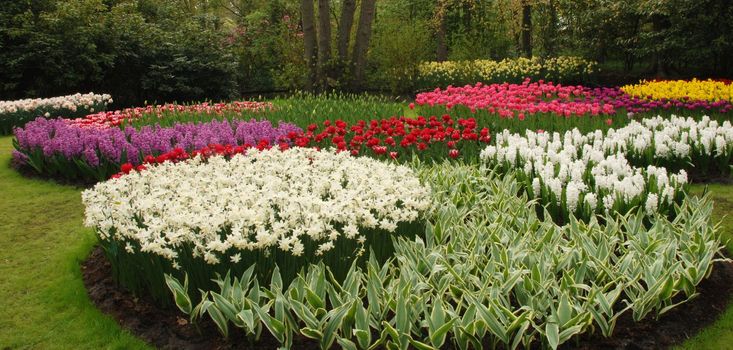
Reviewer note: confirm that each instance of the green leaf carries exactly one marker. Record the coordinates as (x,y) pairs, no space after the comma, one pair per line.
(276,328)
(437,316)
(390,330)
(362,332)
(346,344)
(224,305)
(437,338)
(313,299)
(180,295)
(276,282)
(564,311)
(311,333)
(248,318)
(420,346)
(552,333)
(334,323)
(491,321)
(219,319)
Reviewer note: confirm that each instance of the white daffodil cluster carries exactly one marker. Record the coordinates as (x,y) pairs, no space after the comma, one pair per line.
(70,102)
(583,174)
(265,199)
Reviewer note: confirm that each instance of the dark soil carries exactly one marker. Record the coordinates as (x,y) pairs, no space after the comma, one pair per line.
(170,329)
(162,328)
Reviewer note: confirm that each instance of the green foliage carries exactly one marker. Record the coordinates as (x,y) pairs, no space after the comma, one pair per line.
(134,50)
(143,273)
(190,65)
(475,31)
(488,272)
(301,109)
(397,50)
(686,37)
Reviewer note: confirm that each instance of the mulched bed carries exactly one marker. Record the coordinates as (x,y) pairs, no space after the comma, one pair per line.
(170,329)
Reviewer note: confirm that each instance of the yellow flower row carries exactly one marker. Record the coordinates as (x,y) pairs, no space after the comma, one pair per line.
(704,90)
(489,70)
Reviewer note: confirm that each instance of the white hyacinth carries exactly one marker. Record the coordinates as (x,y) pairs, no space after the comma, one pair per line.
(596,166)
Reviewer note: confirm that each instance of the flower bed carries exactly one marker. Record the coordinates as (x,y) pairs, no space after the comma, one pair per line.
(510,100)
(702,147)
(682,90)
(585,175)
(560,69)
(489,273)
(632,104)
(17,113)
(529,105)
(153,113)
(289,207)
(400,138)
(54,148)
(552,107)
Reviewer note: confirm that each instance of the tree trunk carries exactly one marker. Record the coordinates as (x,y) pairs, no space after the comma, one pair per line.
(324,43)
(552,37)
(467,15)
(527,29)
(309,38)
(348,9)
(363,34)
(344,32)
(441,34)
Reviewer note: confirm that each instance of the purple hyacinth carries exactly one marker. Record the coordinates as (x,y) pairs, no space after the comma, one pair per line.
(55,137)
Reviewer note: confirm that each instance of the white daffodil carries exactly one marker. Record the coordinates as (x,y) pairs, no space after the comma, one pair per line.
(266,199)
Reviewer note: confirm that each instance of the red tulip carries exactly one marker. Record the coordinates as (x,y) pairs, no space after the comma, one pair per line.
(126,168)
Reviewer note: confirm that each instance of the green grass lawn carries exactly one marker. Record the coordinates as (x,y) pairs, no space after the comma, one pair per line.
(43,301)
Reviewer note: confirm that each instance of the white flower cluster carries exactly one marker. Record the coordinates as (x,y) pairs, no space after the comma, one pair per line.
(256,201)
(674,138)
(70,102)
(582,174)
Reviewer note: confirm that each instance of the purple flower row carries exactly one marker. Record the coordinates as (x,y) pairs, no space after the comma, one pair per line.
(55,137)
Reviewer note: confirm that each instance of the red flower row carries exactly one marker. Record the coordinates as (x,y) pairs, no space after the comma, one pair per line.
(179,154)
(389,136)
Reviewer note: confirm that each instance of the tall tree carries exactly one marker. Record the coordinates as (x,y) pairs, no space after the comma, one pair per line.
(324,43)
(363,34)
(526,28)
(309,38)
(348,8)
(441,12)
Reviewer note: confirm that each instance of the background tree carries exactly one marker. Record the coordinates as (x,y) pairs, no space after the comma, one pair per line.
(309,39)
(361,44)
(155,50)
